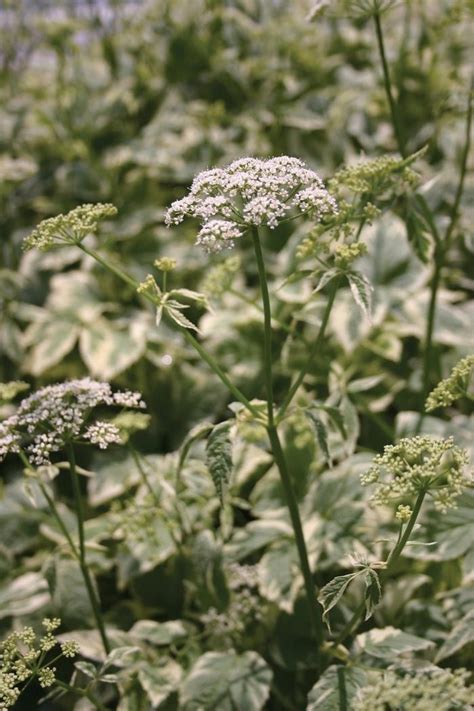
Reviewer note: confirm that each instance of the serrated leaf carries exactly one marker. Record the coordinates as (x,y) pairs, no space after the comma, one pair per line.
(175,315)
(219,456)
(373,592)
(227,681)
(331,593)
(361,291)
(326,277)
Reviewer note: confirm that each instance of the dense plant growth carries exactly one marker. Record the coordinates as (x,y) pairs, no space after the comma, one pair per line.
(237,363)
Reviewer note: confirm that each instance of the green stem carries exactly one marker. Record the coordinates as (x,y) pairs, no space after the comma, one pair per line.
(400,545)
(82,550)
(441,251)
(143,475)
(277,449)
(313,351)
(388,85)
(215,367)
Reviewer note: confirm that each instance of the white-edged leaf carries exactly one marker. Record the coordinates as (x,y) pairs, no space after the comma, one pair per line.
(325,278)
(175,315)
(331,593)
(226,681)
(388,643)
(361,290)
(373,592)
(160,679)
(219,456)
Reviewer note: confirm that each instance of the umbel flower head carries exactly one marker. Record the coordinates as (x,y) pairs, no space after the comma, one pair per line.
(250,192)
(57,414)
(441,689)
(416,464)
(70,228)
(460,383)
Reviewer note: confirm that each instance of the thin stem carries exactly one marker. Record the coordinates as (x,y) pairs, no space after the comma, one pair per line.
(215,367)
(388,85)
(267,318)
(441,252)
(350,625)
(277,449)
(398,548)
(313,351)
(82,550)
(143,475)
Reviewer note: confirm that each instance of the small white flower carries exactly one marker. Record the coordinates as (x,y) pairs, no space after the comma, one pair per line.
(217,235)
(103,434)
(250,192)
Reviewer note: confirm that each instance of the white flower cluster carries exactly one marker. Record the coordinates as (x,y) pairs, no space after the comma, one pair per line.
(441,689)
(419,463)
(59,413)
(250,192)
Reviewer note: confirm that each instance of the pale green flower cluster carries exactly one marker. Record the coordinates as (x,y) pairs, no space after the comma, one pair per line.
(22,658)
(460,383)
(346,254)
(442,690)
(416,464)
(374,177)
(220,278)
(70,228)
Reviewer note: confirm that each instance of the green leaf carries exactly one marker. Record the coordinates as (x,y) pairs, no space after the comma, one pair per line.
(219,456)
(160,680)
(225,681)
(331,593)
(336,689)
(388,642)
(361,290)
(461,635)
(373,592)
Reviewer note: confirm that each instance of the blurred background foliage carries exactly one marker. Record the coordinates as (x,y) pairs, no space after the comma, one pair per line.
(124,102)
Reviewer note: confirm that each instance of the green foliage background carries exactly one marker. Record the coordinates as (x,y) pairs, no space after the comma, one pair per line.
(125,103)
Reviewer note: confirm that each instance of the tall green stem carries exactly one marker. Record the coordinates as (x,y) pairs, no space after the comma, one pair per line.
(315,347)
(277,450)
(214,366)
(82,550)
(441,245)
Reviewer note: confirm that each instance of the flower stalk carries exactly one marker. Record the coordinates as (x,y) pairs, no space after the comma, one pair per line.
(277,450)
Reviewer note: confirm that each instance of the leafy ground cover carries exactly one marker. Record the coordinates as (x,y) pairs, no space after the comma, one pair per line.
(236,403)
